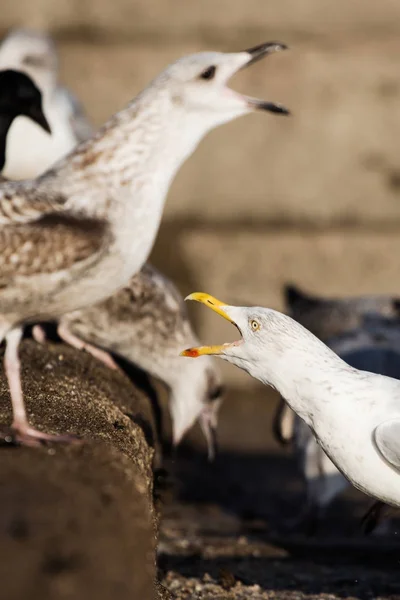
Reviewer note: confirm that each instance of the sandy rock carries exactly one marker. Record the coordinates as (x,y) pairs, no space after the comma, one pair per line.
(77,522)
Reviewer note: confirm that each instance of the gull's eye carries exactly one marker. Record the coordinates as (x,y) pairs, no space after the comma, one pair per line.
(255,325)
(209,73)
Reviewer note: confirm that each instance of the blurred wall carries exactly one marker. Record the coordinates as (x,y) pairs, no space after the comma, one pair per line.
(314,198)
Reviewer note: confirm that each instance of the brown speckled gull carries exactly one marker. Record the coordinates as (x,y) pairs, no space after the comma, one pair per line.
(78,233)
(147,323)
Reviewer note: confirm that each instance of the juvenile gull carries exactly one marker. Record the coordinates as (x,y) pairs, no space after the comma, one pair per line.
(29,150)
(79,232)
(18,96)
(354,414)
(147,324)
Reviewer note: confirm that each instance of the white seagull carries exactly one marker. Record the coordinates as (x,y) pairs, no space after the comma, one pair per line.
(374,347)
(354,414)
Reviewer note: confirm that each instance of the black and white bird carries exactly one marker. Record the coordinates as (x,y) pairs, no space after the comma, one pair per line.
(329,317)
(30,151)
(18,96)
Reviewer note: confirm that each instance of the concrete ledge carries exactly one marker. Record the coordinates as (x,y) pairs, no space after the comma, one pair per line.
(77,522)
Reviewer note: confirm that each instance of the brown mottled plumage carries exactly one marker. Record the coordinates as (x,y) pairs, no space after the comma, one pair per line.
(51,245)
(147,324)
(118,179)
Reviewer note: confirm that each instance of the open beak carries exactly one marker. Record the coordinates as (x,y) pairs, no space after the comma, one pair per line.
(256,54)
(218,307)
(36,114)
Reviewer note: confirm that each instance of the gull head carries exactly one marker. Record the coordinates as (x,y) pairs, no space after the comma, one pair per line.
(273,347)
(20,96)
(34,53)
(281,353)
(196,394)
(198,84)
(254,325)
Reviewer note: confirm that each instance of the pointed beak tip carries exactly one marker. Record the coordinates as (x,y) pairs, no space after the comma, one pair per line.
(258,52)
(190,353)
(280,47)
(285,111)
(271,47)
(41,120)
(198,297)
(273,107)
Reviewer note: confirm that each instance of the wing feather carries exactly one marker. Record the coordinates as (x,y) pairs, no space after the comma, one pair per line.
(27,201)
(50,244)
(387,440)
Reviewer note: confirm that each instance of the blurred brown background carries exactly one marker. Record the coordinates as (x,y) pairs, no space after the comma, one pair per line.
(314,198)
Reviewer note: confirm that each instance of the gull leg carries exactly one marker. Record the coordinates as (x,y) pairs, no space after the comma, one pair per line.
(72,340)
(39,334)
(208,423)
(23,433)
(373,517)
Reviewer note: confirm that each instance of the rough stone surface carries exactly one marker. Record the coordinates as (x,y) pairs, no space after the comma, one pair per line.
(228,538)
(77,522)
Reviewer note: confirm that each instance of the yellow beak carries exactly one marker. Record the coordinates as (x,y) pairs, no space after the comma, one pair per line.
(218,307)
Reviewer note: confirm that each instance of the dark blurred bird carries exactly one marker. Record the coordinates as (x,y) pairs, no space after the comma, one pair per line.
(35,54)
(18,96)
(327,317)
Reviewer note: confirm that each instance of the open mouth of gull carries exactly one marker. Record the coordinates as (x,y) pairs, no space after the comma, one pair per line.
(218,307)
(255,54)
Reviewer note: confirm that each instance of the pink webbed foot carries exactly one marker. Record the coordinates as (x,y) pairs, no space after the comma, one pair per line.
(21,432)
(28,436)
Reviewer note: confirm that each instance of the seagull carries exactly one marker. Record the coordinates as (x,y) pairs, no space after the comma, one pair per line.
(364,331)
(354,414)
(375,347)
(146,323)
(18,96)
(79,232)
(35,54)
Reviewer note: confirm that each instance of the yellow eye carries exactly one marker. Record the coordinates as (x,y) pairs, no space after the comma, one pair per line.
(255,325)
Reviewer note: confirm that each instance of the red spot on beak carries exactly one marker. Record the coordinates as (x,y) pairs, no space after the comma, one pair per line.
(192,353)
